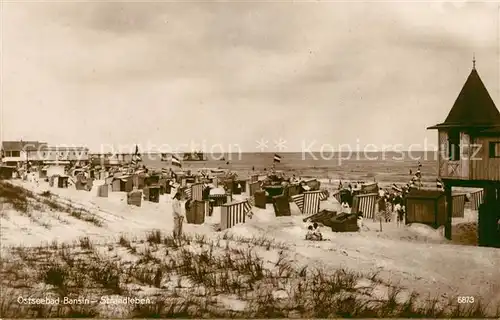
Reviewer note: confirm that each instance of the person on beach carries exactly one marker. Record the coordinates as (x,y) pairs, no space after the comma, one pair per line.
(310,233)
(382,208)
(317,234)
(381,192)
(360,222)
(178,216)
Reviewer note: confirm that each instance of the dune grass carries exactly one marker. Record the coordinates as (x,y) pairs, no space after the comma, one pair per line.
(27,202)
(192,277)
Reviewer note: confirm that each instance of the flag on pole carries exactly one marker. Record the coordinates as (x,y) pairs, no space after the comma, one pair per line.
(277,158)
(396,188)
(176,162)
(136,157)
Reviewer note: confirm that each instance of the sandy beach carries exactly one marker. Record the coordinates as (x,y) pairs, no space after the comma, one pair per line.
(415,258)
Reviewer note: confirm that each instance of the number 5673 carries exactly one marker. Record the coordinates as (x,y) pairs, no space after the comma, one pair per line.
(465,299)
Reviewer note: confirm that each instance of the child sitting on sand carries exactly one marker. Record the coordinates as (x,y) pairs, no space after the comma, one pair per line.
(317,234)
(310,233)
(313,233)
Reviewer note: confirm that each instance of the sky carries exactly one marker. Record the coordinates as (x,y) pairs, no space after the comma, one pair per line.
(220,76)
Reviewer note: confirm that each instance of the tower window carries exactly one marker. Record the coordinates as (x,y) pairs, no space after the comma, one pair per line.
(454,145)
(494,149)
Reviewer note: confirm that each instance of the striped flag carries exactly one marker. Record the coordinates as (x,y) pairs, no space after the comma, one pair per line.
(136,157)
(176,162)
(396,188)
(277,158)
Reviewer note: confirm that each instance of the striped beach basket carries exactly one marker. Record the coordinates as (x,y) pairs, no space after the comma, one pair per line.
(196,213)
(195,191)
(281,206)
(134,198)
(337,196)
(309,202)
(458,205)
(254,178)
(313,184)
(292,190)
(476,199)
(366,203)
(102,191)
(254,187)
(218,199)
(151,193)
(260,199)
(234,213)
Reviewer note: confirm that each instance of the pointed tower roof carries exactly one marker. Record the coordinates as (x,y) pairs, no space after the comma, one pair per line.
(473,108)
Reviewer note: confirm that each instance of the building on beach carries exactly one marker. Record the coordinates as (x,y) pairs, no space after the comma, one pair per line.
(15,153)
(469,155)
(52,154)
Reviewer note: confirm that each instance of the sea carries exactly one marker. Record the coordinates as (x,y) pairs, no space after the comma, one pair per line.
(390,167)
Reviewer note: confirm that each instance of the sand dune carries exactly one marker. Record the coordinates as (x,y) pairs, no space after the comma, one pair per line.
(415,257)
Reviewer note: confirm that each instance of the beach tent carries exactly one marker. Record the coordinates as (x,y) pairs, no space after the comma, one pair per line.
(426,207)
(313,184)
(42,174)
(62,181)
(134,198)
(219,197)
(309,202)
(103,190)
(281,206)
(55,170)
(152,193)
(458,205)
(122,184)
(369,188)
(272,191)
(476,199)
(7,172)
(196,212)
(365,203)
(234,213)
(292,189)
(254,187)
(260,199)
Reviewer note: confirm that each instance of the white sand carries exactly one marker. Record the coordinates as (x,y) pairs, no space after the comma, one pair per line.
(416,257)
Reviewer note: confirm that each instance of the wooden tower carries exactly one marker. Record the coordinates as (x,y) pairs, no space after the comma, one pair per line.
(469,154)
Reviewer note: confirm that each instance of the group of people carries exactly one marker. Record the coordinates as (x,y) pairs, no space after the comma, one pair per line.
(313,233)
(390,203)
